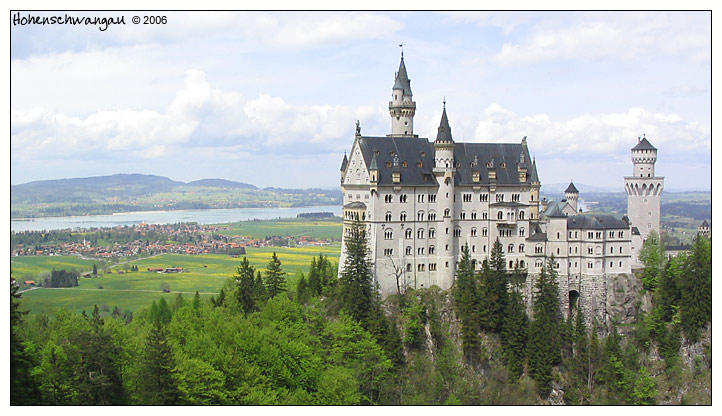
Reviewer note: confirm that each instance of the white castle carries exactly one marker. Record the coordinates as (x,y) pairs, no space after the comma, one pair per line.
(422,201)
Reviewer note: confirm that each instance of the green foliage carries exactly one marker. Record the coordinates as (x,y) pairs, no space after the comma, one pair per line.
(22,385)
(466,301)
(514,335)
(493,292)
(61,278)
(355,291)
(156,381)
(645,389)
(544,347)
(696,289)
(652,256)
(245,291)
(275,277)
(414,319)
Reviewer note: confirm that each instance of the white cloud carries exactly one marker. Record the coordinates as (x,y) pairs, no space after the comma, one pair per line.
(624,35)
(591,135)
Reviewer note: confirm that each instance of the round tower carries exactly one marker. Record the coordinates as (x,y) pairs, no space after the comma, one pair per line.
(444,171)
(571,194)
(402,107)
(644,194)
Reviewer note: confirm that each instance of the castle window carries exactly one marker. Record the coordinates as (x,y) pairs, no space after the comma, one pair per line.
(558,251)
(473,215)
(598,234)
(420,197)
(500,215)
(521,232)
(620,264)
(388,216)
(432,249)
(511,264)
(503,165)
(388,198)
(432,216)
(510,249)
(521,249)
(521,215)
(447,249)
(462,215)
(538,263)
(408,251)
(521,263)
(388,234)
(409,233)
(420,216)
(402,198)
(611,264)
(473,232)
(447,212)
(403,216)
(577,235)
(457,232)
(432,267)
(388,252)
(484,248)
(484,198)
(611,234)
(484,215)
(404,164)
(388,164)
(473,250)
(432,197)
(420,267)
(621,234)
(467,197)
(447,230)
(484,232)
(408,267)
(558,236)
(420,233)
(420,251)
(611,250)
(499,197)
(432,233)
(539,249)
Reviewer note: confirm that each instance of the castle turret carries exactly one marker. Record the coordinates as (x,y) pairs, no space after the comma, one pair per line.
(402,107)
(571,194)
(444,170)
(644,191)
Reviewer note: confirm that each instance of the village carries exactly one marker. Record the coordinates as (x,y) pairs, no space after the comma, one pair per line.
(146,240)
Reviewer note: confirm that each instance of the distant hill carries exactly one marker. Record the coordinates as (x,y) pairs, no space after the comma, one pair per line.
(222,183)
(79,190)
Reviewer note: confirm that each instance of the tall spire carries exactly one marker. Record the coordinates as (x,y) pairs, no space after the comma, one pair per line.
(402,81)
(444,134)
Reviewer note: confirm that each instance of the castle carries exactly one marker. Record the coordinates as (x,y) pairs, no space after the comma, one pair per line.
(421,202)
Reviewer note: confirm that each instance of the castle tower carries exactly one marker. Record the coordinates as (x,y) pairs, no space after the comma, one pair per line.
(444,170)
(572,196)
(644,190)
(401,107)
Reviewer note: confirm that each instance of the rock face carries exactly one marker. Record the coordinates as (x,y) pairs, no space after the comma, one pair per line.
(625,298)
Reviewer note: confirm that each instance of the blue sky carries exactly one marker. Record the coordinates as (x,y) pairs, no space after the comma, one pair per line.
(272,98)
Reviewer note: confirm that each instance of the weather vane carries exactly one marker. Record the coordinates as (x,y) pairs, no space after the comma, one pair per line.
(401,45)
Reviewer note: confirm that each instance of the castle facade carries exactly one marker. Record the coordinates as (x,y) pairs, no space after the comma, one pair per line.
(421,201)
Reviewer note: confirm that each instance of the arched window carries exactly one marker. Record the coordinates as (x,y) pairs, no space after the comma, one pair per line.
(447,212)
(500,215)
(420,250)
(510,249)
(409,233)
(388,216)
(473,231)
(420,216)
(521,248)
(521,263)
(388,234)
(403,216)
(484,232)
(521,215)
(408,251)
(521,232)
(420,233)
(432,249)
(538,263)
(432,233)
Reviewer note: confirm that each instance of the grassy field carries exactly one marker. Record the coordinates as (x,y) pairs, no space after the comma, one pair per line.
(131,291)
(328,229)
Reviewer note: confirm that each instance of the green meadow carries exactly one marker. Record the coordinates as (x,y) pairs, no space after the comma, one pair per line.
(322,229)
(134,290)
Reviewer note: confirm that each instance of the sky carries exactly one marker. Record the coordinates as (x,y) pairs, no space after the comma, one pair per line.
(271,98)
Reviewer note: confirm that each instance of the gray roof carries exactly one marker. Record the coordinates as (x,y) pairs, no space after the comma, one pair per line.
(507,204)
(554,212)
(533,176)
(644,145)
(705,224)
(374,165)
(444,132)
(571,189)
(413,150)
(344,163)
(595,222)
(635,231)
(355,205)
(402,80)
(537,234)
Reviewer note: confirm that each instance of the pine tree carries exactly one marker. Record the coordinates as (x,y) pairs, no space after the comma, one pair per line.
(652,255)
(355,283)
(494,290)
(467,307)
(156,382)
(696,289)
(244,286)
(303,291)
(275,277)
(260,295)
(196,301)
(514,334)
(95,270)
(23,390)
(544,350)
(314,278)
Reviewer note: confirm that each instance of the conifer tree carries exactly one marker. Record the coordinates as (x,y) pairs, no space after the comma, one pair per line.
(303,291)
(196,301)
(156,381)
(314,278)
(494,290)
(244,286)
(544,350)
(275,277)
(22,386)
(514,333)
(696,289)
(467,306)
(259,290)
(355,283)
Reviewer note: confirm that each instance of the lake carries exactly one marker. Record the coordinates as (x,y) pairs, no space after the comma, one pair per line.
(201,216)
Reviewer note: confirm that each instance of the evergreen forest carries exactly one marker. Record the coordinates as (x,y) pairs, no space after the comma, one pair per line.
(332,340)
